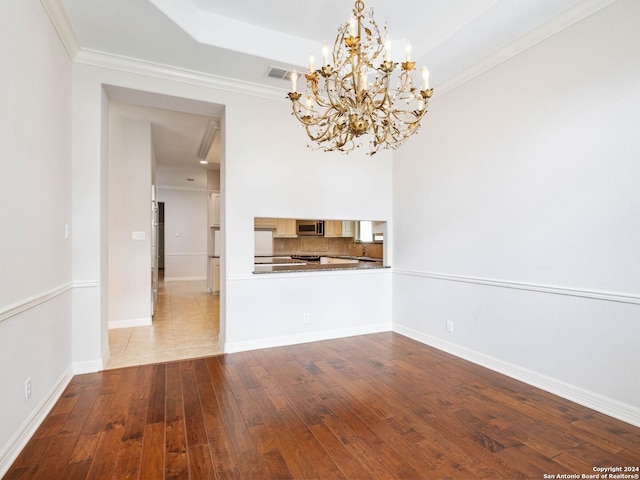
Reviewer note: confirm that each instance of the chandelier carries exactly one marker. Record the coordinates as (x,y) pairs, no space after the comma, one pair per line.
(356,94)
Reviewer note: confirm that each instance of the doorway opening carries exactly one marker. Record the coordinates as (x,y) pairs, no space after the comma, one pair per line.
(151,138)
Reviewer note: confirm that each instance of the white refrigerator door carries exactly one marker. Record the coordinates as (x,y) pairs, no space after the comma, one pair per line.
(263,242)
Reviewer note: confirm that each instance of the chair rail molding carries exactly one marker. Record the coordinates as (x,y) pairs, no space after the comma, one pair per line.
(31,302)
(532,287)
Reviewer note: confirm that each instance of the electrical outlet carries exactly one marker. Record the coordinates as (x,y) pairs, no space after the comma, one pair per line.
(27,389)
(450,326)
(306,318)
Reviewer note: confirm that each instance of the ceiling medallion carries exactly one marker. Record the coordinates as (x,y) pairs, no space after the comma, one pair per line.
(354,92)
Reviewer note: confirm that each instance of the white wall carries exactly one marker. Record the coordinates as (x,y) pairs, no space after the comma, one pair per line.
(35,206)
(516,216)
(129,267)
(185,228)
(272,175)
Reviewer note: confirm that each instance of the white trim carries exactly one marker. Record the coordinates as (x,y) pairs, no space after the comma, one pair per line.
(130,323)
(573,292)
(608,406)
(233,347)
(183,279)
(58,17)
(523,43)
(309,273)
(184,189)
(186,254)
(85,284)
(177,74)
(10,451)
(89,366)
(105,359)
(29,303)
(60,21)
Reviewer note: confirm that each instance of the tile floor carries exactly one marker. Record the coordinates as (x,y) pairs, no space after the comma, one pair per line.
(186,324)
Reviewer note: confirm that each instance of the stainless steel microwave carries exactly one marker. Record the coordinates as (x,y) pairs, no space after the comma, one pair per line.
(310,227)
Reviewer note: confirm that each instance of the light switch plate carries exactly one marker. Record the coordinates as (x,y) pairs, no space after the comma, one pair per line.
(138,236)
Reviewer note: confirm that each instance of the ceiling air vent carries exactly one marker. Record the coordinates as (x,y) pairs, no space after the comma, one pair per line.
(279,73)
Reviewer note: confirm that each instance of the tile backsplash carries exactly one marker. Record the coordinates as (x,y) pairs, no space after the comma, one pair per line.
(325,246)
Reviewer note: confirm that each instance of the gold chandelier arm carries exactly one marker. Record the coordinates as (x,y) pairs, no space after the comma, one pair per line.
(355,92)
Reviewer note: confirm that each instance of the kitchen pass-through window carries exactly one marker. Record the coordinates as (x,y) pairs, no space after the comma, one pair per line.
(370,232)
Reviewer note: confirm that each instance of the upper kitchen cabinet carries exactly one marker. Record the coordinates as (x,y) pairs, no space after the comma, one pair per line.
(285,228)
(348,229)
(282,227)
(339,228)
(333,228)
(214,209)
(260,222)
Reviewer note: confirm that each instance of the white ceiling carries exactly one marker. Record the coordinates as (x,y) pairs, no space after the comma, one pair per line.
(240,39)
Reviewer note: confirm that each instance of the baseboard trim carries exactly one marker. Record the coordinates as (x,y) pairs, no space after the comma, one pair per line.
(608,406)
(10,451)
(89,366)
(130,323)
(183,279)
(235,347)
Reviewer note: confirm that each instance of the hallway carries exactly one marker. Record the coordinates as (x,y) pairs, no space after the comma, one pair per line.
(186,324)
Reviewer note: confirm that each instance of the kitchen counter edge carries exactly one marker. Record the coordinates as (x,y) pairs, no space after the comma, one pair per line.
(262,269)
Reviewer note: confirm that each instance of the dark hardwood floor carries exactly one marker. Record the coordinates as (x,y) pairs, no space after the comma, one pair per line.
(371,407)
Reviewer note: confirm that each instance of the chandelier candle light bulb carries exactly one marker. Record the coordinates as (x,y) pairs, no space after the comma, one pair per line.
(425,78)
(356,96)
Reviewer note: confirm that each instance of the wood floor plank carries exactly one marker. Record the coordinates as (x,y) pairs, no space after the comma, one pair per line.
(57,457)
(77,471)
(349,466)
(78,416)
(345,417)
(377,406)
(250,461)
(200,466)
(155,412)
(104,458)
(177,462)
(225,462)
(85,448)
(277,467)
(152,462)
(297,453)
(194,423)
(129,452)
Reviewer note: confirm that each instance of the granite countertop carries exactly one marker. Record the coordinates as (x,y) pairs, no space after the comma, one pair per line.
(316,267)
(263,260)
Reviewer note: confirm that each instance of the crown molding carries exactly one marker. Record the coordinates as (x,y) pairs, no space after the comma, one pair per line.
(63,27)
(523,43)
(177,74)
(78,54)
